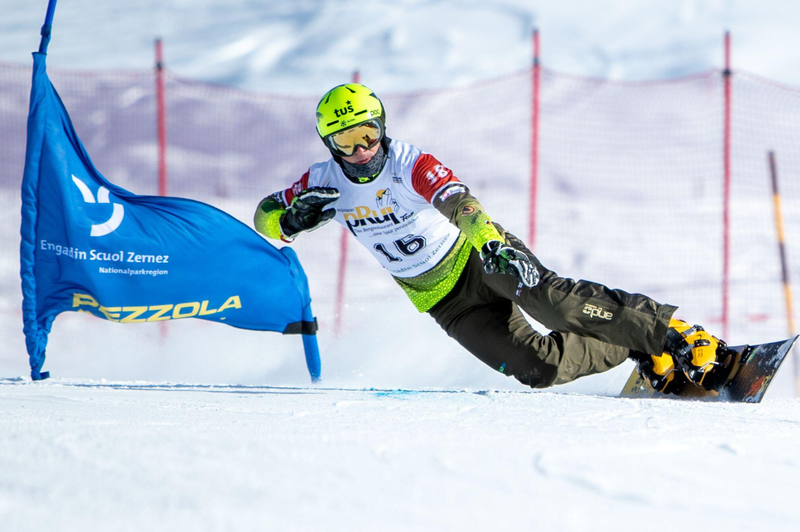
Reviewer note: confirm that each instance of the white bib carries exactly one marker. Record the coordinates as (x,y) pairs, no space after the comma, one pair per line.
(390,216)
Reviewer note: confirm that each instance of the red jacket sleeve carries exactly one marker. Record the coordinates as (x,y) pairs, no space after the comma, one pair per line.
(299,186)
(429,176)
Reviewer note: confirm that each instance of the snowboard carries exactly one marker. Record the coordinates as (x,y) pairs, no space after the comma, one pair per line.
(757,367)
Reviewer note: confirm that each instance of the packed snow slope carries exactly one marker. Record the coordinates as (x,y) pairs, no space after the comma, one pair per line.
(85,455)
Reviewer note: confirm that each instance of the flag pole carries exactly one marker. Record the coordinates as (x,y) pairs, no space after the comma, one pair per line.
(48,26)
(35,333)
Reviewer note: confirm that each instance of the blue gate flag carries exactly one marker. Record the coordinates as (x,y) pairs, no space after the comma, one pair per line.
(91,246)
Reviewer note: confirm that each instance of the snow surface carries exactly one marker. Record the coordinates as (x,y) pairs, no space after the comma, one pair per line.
(257,448)
(87,455)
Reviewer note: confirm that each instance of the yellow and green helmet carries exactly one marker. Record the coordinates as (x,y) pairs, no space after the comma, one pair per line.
(345,108)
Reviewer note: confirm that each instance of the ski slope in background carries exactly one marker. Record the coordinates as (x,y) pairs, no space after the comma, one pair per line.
(115,441)
(301,46)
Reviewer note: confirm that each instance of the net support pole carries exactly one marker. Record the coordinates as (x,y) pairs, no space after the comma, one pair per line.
(726,218)
(787,286)
(342,276)
(340,281)
(161,118)
(161,132)
(534,142)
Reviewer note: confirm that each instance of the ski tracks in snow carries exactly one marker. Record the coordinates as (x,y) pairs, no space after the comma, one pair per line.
(167,456)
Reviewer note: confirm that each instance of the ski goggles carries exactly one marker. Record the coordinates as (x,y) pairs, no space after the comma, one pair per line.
(367,134)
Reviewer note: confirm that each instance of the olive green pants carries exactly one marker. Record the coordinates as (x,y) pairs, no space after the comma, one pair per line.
(594,327)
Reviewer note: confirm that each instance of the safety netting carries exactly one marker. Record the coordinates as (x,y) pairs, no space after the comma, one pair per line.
(630,188)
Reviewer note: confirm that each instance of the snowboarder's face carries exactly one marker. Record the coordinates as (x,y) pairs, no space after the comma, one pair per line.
(362,155)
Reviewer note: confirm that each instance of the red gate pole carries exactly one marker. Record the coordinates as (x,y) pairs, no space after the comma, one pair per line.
(534,143)
(161,127)
(342,277)
(726,220)
(161,114)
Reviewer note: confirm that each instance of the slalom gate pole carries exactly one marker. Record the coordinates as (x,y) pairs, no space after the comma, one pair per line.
(47,27)
(340,281)
(342,276)
(787,286)
(161,118)
(161,131)
(534,143)
(726,225)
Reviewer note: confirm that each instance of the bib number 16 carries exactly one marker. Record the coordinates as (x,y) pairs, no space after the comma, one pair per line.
(408,245)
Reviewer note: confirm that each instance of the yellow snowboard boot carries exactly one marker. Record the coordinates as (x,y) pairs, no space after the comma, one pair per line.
(691,359)
(660,372)
(696,353)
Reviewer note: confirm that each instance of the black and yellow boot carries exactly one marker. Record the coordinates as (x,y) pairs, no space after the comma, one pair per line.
(661,372)
(698,355)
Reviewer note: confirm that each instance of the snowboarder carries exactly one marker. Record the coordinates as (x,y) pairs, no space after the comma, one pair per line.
(439,244)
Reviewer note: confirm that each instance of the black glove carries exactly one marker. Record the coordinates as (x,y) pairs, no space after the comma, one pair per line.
(307,211)
(498,257)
